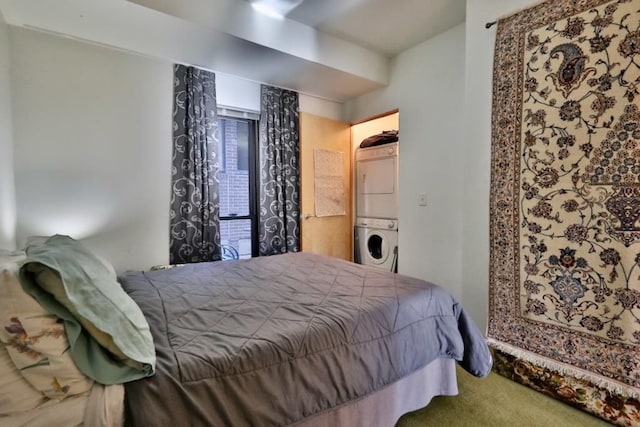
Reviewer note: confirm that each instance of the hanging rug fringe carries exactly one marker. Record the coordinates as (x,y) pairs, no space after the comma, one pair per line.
(564,369)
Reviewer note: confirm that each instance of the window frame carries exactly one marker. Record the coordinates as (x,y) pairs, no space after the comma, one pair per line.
(253,147)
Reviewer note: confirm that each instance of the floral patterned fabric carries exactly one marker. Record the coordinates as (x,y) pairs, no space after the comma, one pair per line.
(582,394)
(37,344)
(279,216)
(16,394)
(194,216)
(565,189)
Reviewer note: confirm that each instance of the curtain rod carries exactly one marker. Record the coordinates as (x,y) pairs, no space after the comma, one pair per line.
(490,24)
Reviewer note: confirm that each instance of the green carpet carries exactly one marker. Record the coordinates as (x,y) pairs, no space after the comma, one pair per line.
(496,401)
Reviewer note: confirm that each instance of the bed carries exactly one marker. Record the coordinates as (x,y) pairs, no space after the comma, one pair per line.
(294,339)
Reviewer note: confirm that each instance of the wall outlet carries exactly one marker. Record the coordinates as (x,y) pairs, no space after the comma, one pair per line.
(422,199)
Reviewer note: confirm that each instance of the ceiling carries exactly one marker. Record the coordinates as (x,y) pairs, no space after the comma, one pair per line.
(386,26)
(333,49)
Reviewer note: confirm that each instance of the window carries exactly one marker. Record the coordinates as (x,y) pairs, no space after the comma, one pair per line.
(222,145)
(243,146)
(237,187)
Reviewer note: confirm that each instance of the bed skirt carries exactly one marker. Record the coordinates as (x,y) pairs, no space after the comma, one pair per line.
(386,406)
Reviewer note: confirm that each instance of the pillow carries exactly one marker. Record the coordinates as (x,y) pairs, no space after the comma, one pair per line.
(16,394)
(36,342)
(41,240)
(50,281)
(111,340)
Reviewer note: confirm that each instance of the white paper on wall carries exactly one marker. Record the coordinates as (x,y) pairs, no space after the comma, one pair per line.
(329,182)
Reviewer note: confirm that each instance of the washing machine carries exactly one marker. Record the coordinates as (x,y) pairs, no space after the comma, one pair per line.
(377,243)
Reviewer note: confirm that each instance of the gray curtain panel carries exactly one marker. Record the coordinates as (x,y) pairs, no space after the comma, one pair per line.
(194,217)
(279,216)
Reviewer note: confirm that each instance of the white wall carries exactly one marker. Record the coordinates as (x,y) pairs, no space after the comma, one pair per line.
(92,129)
(445,114)
(93,143)
(321,107)
(232,91)
(477,149)
(7,191)
(427,85)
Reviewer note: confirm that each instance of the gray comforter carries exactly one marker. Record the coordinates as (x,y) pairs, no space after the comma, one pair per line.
(273,340)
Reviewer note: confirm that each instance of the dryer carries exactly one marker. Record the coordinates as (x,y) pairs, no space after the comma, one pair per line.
(377,243)
(377,181)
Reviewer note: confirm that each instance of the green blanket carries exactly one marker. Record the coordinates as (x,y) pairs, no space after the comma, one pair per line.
(108,335)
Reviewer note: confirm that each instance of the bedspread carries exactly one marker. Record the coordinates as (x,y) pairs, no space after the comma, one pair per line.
(272,340)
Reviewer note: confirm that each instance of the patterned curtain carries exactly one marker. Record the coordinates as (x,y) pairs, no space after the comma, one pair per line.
(194,225)
(279,217)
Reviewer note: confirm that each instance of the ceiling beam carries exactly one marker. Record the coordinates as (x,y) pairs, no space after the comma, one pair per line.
(222,35)
(239,19)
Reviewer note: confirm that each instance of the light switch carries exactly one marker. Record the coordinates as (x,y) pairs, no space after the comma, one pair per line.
(422,199)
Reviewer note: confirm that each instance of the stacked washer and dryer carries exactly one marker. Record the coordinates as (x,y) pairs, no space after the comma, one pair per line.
(376,228)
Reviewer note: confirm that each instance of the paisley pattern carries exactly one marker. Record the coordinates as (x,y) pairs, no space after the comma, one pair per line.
(279,216)
(194,216)
(565,189)
(619,410)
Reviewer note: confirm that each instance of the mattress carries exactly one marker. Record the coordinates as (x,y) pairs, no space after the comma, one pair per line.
(272,341)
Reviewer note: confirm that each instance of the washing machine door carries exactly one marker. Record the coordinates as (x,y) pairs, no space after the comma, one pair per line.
(377,248)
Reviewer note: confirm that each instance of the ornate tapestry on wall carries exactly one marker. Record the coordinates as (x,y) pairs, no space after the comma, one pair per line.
(565,195)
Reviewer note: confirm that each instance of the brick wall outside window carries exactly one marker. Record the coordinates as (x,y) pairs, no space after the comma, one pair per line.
(233,192)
